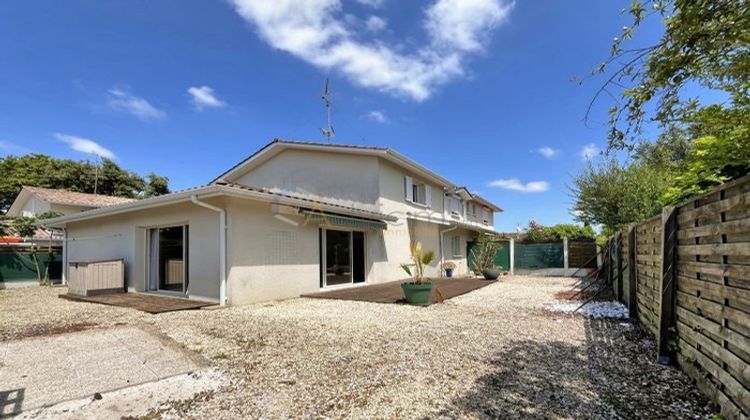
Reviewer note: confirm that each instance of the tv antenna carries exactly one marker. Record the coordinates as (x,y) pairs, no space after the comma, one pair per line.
(96,171)
(328,132)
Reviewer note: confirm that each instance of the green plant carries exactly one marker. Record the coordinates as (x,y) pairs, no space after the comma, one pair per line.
(484,252)
(24,226)
(420,259)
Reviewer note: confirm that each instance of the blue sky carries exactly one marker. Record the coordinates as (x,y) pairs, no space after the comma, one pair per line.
(473,90)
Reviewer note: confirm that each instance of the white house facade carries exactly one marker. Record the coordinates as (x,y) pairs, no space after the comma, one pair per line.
(293,218)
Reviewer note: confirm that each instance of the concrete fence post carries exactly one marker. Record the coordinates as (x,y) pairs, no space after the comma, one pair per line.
(565,255)
(512,256)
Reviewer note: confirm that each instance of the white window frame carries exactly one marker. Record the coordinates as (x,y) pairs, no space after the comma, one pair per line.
(417,193)
(457,202)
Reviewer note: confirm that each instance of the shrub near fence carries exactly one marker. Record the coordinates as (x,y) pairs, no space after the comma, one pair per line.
(691,289)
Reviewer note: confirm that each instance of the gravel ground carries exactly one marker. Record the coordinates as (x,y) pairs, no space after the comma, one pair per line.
(495,352)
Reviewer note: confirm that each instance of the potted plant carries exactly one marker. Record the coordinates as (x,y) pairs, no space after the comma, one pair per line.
(449,266)
(484,257)
(417,291)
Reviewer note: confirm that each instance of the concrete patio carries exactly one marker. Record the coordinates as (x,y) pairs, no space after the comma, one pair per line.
(41,371)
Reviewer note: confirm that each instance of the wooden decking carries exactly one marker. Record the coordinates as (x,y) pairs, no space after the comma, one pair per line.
(146,302)
(391,292)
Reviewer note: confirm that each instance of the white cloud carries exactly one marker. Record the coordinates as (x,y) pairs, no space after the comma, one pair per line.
(378,116)
(516,185)
(204,97)
(371,3)
(462,24)
(589,151)
(83,145)
(122,100)
(317,32)
(548,152)
(375,23)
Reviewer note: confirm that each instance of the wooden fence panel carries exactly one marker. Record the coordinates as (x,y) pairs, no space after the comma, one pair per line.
(648,272)
(713,294)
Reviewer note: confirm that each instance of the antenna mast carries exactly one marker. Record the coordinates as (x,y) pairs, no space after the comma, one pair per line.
(328,132)
(96,173)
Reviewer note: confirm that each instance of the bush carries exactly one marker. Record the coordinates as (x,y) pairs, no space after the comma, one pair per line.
(538,233)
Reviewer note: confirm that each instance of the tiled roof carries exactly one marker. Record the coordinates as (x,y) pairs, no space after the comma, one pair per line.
(40,234)
(77,198)
(315,143)
(313,200)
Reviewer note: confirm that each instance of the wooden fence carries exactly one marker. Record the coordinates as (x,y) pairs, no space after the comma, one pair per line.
(685,275)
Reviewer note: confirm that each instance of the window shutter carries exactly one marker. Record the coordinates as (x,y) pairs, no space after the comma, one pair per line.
(428,195)
(408,188)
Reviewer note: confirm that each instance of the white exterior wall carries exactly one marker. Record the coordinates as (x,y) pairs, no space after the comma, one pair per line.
(270,258)
(34,207)
(333,177)
(124,237)
(459,259)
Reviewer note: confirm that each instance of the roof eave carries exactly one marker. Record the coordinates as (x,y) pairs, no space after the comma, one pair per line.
(206,191)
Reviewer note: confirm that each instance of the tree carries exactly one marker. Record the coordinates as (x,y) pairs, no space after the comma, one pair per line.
(705,43)
(536,232)
(613,196)
(157,185)
(24,226)
(38,170)
(720,151)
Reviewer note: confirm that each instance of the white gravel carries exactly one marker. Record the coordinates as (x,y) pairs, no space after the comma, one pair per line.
(596,310)
(495,352)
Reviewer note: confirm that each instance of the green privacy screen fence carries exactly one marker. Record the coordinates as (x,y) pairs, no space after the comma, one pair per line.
(502,257)
(19,265)
(535,256)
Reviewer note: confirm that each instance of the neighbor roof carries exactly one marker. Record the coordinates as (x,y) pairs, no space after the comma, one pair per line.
(278,145)
(66,197)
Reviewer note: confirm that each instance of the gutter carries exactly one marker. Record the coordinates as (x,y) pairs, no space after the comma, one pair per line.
(222,246)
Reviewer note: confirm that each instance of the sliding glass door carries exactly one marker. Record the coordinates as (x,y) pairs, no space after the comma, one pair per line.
(168,259)
(343,255)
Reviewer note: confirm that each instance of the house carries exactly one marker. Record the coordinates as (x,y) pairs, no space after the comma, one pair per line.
(33,201)
(293,218)
(17,267)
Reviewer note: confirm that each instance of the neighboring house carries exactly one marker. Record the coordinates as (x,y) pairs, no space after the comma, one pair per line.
(16,264)
(293,218)
(33,201)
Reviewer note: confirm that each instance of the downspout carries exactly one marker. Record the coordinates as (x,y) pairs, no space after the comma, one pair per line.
(442,241)
(65,256)
(222,246)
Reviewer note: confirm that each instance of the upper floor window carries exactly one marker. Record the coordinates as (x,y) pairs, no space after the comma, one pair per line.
(473,209)
(416,192)
(454,206)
